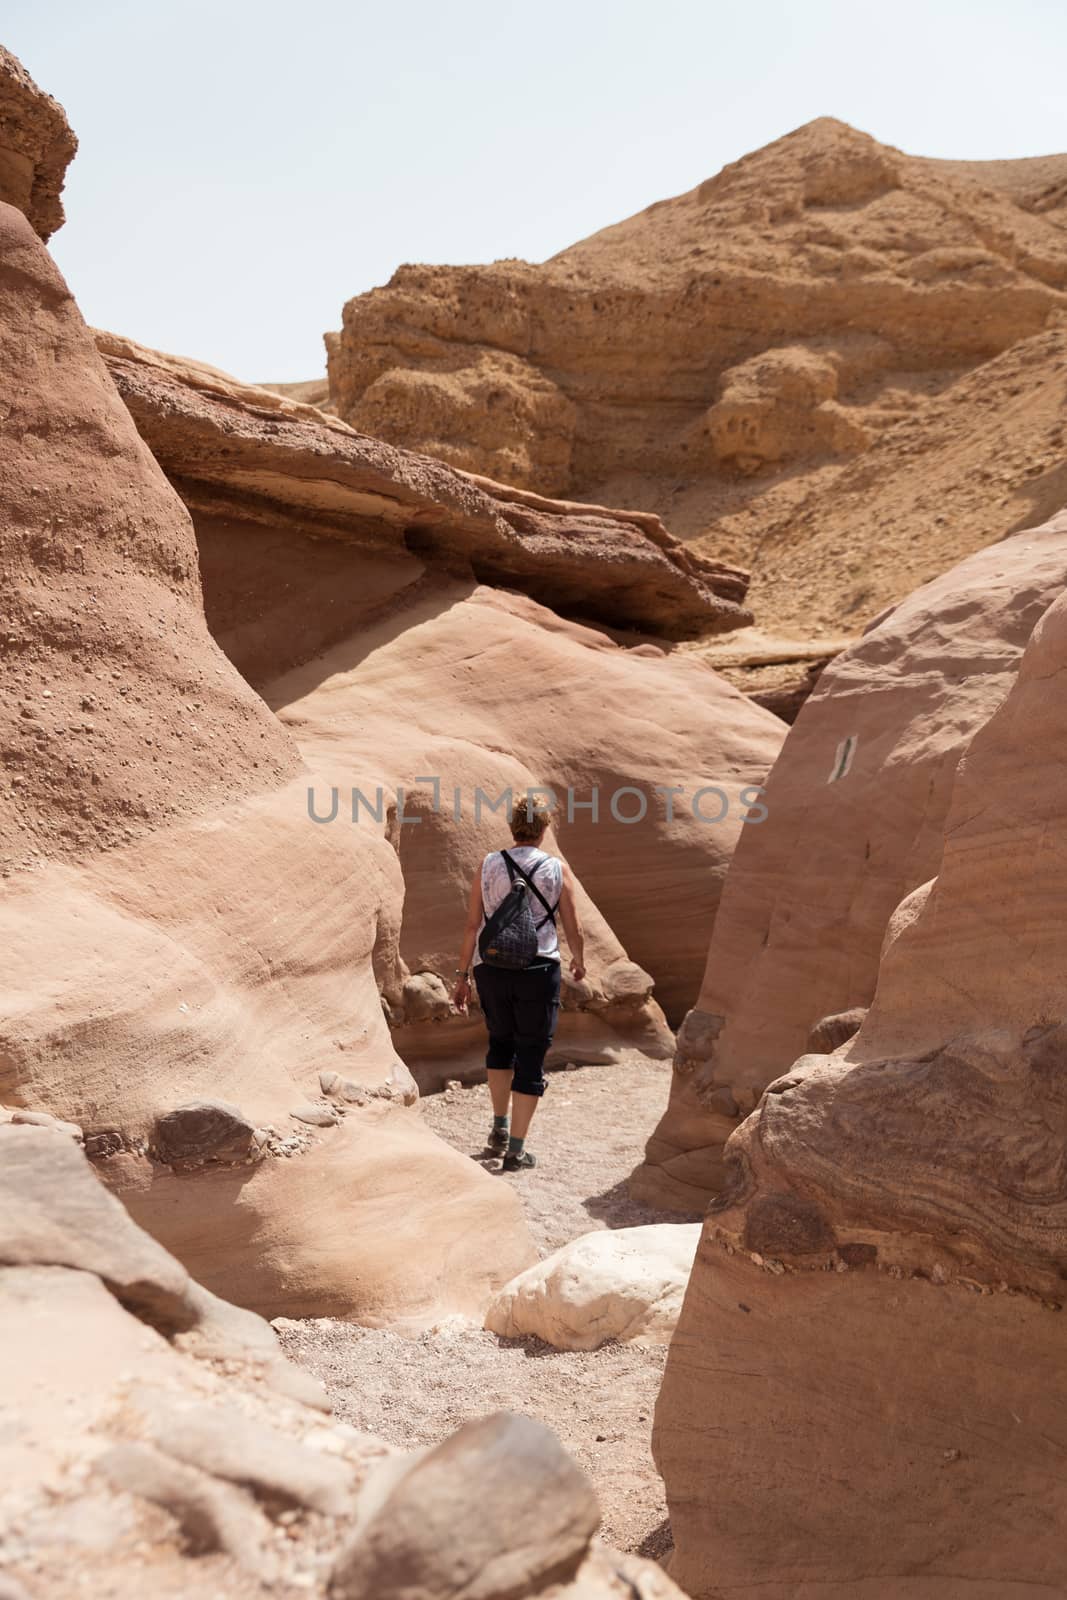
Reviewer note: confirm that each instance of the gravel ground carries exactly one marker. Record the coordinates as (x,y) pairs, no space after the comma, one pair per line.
(588,1134)
(416,1391)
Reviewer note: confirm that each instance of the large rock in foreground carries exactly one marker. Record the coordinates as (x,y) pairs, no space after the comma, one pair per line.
(157,1442)
(856,806)
(889,1451)
(903,1202)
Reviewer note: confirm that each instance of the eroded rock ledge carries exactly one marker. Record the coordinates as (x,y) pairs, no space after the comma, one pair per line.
(233,449)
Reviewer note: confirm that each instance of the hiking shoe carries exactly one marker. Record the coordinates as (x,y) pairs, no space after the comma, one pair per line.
(519,1163)
(497,1140)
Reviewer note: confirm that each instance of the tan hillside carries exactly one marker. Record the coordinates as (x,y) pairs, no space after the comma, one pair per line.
(724,358)
(310,391)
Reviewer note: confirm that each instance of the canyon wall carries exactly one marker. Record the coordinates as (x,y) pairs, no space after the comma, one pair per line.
(224,985)
(856,807)
(862,1390)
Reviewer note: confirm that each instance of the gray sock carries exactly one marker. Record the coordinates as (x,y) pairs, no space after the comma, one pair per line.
(500,1122)
(516,1146)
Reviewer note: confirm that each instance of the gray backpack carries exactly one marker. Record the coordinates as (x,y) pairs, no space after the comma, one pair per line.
(509,938)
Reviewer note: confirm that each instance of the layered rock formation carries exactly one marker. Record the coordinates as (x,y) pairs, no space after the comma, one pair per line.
(105,646)
(856,806)
(156,1441)
(909,1441)
(986,457)
(723,357)
(501,695)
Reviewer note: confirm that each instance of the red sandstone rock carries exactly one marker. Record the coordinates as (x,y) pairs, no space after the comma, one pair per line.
(922,1163)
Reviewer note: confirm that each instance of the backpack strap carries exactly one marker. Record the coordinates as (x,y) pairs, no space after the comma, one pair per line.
(527,878)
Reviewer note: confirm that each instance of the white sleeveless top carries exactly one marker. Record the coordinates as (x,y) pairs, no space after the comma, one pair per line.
(546,872)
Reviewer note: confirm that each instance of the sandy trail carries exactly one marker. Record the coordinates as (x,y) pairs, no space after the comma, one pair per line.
(588,1134)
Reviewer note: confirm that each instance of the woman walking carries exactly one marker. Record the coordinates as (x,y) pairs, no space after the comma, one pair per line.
(511,944)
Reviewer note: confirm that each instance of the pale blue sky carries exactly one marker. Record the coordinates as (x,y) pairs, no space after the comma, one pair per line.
(247,165)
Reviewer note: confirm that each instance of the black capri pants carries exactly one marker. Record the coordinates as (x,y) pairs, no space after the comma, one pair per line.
(520,1010)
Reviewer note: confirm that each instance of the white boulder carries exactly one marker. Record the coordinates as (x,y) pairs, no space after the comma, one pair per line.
(624,1284)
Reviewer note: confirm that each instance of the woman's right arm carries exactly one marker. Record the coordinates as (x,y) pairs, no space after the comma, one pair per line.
(461,994)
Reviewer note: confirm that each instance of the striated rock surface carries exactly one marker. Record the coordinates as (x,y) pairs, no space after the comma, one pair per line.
(951,1086)
(160,1443)
(36,147)
(624,1284)
(57,1215)
(727,356)
(176,930)
(823,1433)
(106,649)
(856,807)
(249,462)
(923,1164)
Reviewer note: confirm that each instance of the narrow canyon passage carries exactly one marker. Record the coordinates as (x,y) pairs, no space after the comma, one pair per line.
(589,1134)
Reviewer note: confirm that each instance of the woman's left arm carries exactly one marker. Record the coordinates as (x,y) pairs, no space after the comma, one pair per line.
(462,992)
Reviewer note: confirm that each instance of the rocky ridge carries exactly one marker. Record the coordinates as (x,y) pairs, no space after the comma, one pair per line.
(206,956)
